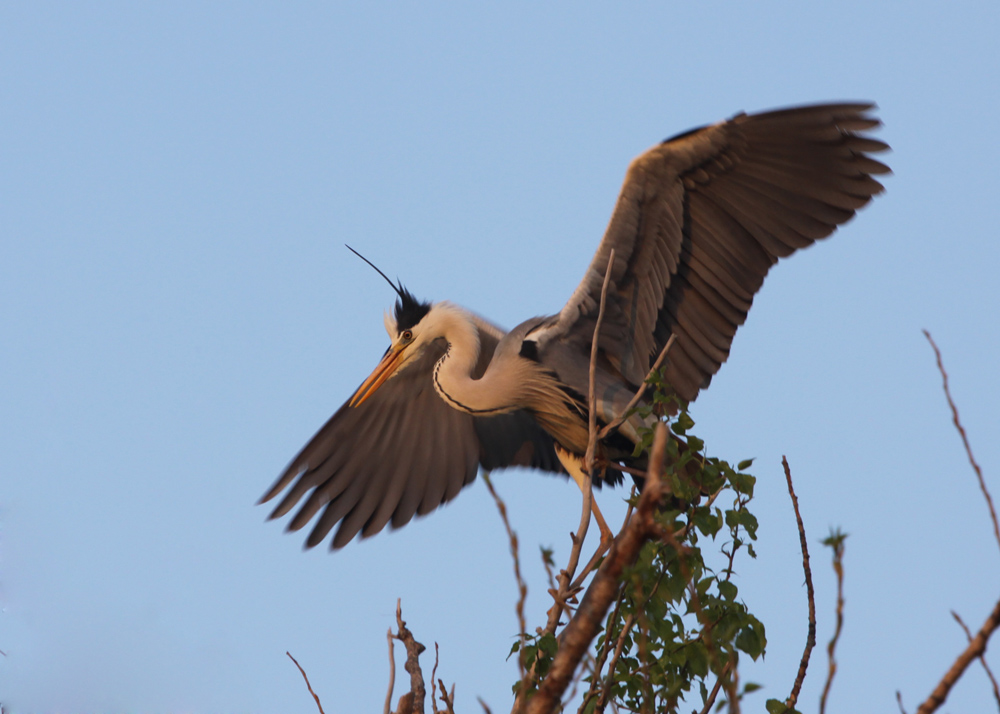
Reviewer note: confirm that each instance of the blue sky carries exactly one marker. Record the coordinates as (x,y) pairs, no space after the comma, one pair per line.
(177,182)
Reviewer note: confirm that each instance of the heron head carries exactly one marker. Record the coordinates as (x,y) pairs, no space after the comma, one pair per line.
(408,335)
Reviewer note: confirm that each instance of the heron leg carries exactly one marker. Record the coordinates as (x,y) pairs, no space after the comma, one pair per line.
(574,466)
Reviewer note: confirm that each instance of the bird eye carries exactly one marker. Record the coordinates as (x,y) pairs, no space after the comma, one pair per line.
(407,335)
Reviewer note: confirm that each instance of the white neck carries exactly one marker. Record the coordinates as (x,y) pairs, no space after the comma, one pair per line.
(453,372)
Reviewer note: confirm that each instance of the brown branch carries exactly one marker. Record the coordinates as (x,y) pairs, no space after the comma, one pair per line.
(618,420)
(602,657)
(982,659)
(448,699)
(610,680)
(566,589)
(837,543)
(723,676)
(810,594)
(434,679)
(309,686)
(588,461)
(387,709)
(522,588)
(965,440)
(586,622)
(899,701)
(975,649)
(417,692)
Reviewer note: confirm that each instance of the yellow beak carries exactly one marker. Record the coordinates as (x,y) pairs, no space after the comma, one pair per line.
(385,369)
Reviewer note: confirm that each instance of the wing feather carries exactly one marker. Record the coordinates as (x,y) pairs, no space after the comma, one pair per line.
(401,453)
(700,220)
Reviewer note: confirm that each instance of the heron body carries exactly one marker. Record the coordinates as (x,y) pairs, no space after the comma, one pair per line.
(699,221)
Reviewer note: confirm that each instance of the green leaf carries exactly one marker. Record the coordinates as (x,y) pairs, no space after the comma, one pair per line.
(751,638)
(751,687)
(776,706)
(744,465)
(743,483)
(727,590)
(682,424)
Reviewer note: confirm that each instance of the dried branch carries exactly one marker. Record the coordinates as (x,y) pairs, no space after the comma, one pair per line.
(811,636)
(965,439)
(723,676)
(417,692)
(899,701)
(309,686)
(522,588)
(448,699)
(586,622)
(387,709)
(434,679)
(610,679)
(982,659)
(588,461)
(619,420)
(975,649)
(835,541)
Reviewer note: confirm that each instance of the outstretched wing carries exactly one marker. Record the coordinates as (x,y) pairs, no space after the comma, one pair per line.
(700,220)
(401,453)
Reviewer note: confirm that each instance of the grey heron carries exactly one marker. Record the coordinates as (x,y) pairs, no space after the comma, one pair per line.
(700,220)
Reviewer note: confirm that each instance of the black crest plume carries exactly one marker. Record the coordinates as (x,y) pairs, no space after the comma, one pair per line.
(409,311)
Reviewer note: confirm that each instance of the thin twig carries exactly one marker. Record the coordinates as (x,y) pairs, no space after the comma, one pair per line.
(522,588)
(620,419)
(602,657)
(975,649)
(989,672)
(588,461)
(449,700)
(811,636)
(965,440)
(732,685)
(392,674)
(565,577)
(305,677)
(434,679)
(837,543)
(723,676)
(899,701)
(619,647)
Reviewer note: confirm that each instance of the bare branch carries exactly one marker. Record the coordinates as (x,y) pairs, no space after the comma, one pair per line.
(586,623)
(618,420)
(448,699)
(309,686)
(811,636)
(522,588)
(417,691)
(899,701)
(588,461)
(982,659)
(975,649)
(387,709)
(965,440)
(835,541)
(434,679)
(723,677)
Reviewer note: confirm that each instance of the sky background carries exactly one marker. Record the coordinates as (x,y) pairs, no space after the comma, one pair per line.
(179,315)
